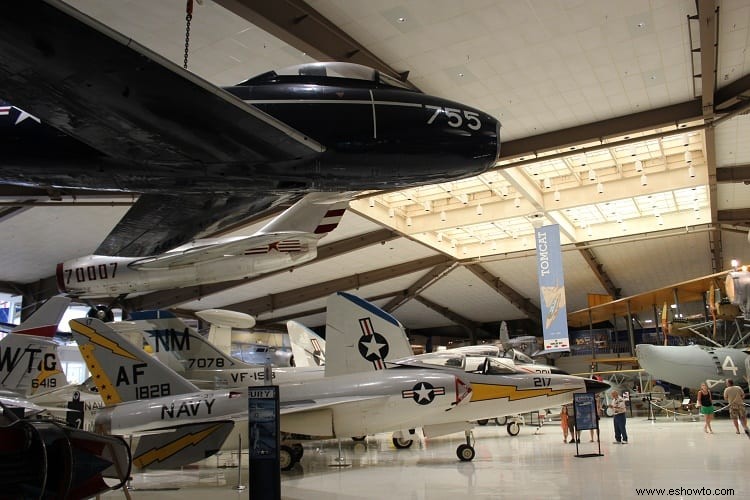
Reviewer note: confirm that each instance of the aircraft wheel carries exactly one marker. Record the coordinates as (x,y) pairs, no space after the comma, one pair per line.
(465,453)
(297,451)
(401,443)
(501,420)
(359,438)
(101,312)
(513,428)
(609,411)
(483,421)
(286,458)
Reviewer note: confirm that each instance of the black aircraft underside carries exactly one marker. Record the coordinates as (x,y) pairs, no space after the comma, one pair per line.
(108,114)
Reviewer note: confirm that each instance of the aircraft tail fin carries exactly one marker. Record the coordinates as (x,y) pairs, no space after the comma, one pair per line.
(308,348)
(178,346)
(360,336)
(316,213)
(43,322)
(29,365)
(504,337)
(123,371)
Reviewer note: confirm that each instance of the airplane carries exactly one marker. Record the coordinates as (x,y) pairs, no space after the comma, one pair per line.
(144,396)
(308,348)
(201,157)
(288,240)
(692,365)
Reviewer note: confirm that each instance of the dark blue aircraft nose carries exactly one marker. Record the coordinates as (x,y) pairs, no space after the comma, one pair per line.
(596,386)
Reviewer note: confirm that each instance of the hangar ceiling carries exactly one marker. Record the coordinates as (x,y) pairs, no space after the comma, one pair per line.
(624,122)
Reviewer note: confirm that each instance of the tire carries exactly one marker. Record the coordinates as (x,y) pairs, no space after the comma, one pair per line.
(501,420)
(483,421)
(286,458)
(101,312)
(513,428)
(401,443)
(297,452)
(465,453)
(359,438)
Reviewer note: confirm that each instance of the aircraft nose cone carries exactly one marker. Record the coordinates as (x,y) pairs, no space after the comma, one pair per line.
(595,386)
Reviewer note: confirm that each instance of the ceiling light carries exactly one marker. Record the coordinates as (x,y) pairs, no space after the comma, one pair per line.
(661,221)
(590,232)
(440,237)
(453,243)
(494,245)
(481,241)
(479,209)
(504,190)
(688,157)
(547,183)
(657,214)
(443,218)
(409,195)
(465,250)
(691,171)
(427,206)
(408,221)
(632,151)
(391,213)
(638,166)
(557,195)
(517,202)
(401,19)
(644,180)
(372,202)
(592,175)
(685,140)
(600,188)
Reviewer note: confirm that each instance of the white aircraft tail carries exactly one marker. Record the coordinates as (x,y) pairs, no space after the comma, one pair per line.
(360,336)
(316,213)
(308,348)
(504,337)
(177,345)
(43,322)
(123,371)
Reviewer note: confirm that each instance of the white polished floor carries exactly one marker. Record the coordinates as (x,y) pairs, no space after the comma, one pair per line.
(662,453)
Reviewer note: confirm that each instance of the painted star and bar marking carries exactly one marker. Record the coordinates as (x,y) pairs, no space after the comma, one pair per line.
(423,393)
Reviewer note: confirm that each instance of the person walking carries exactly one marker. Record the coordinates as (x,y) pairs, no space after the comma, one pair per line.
(619,408)
(706,404)
(735,398)
(564,422)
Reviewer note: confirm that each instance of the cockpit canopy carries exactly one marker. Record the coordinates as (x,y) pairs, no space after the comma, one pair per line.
(318,70)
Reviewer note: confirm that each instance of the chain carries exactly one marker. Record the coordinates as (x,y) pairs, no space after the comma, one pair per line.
(188,18)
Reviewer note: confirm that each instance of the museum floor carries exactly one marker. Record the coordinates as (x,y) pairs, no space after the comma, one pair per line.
(661,454)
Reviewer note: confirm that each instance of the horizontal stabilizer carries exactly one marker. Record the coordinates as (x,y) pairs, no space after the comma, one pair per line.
(181,446)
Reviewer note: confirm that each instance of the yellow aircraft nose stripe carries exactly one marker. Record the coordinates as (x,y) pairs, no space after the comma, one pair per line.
(484,392)
(99,340)
(166,451)
(107,391)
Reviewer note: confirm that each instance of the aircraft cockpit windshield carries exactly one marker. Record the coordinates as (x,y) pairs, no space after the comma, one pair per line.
(349,71)
(497,366)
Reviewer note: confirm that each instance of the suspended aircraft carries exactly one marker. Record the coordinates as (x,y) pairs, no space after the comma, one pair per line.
(288,240)
(111,114)
(142,395)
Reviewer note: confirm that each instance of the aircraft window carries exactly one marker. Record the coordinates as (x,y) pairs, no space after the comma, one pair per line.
(496,367)
(331,70)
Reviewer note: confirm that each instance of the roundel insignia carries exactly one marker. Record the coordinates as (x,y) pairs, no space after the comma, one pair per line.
(423,393)
(373,347)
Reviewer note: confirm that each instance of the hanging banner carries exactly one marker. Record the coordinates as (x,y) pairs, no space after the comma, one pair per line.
(552,288)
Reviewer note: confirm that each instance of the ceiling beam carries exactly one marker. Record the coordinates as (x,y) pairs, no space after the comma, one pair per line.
(304,28)
(169,298)
(737,173)
(734,216)
(418,286)
(516,299)
(471,326)
(603,277)
(273,302)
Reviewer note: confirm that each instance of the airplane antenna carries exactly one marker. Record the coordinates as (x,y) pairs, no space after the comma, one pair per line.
(188,18)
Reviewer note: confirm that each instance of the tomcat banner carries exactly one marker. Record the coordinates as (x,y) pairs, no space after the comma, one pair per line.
(552,288)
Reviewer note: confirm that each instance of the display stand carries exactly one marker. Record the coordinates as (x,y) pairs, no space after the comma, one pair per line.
(584,414)
(264,474)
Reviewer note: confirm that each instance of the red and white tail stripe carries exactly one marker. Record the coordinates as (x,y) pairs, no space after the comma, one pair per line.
(5,110)
(330,221)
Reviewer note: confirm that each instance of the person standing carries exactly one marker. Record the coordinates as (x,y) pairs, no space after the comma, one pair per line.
(706,404)
(564,422)
(619,408)
(735,397)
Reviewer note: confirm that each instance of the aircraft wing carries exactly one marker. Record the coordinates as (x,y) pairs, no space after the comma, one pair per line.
(248,245)
(290,407)
(126,101)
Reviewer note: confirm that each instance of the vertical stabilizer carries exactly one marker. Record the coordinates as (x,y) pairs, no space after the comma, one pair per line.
(29,365)
(122,371)
(360,336)
(308,348)
(43,322)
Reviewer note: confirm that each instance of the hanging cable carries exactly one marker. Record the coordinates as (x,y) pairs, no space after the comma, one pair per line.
(188,18)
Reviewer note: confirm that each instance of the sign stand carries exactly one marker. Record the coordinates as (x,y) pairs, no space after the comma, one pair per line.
(264,473)
(584,413)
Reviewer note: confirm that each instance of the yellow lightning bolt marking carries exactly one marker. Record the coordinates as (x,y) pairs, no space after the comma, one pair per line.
(483,392)
(107,390)
(100,340)
(166,451)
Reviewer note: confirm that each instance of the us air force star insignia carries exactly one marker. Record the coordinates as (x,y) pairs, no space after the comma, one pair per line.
(423,393)
(23,115)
